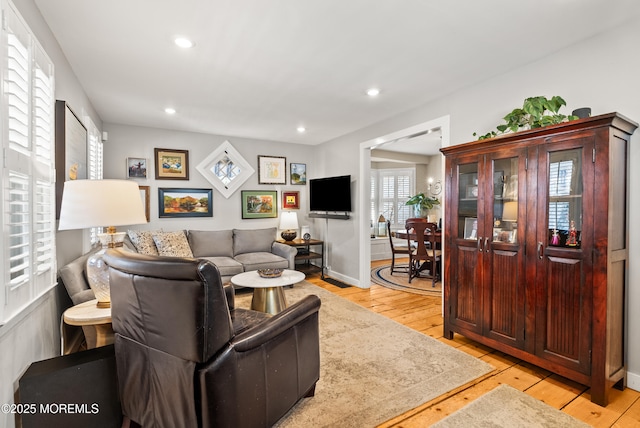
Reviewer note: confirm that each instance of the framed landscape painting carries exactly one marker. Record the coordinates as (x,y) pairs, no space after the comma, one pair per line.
(171,164)
(298,173)
(184,203)
(259,204)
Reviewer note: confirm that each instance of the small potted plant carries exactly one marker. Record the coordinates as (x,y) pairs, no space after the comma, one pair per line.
(422,204)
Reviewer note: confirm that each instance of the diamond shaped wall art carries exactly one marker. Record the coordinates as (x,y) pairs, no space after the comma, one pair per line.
(225,169)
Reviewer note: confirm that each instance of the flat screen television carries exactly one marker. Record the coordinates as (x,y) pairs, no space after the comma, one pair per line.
(330,194)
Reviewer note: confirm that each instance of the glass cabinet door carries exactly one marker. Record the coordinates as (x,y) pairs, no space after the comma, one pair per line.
(564,221)
(468,201)
(505,200)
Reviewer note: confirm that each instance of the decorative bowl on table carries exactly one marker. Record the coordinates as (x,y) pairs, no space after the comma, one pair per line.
(270,273)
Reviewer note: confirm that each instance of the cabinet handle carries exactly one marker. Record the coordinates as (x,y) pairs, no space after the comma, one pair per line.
(540,255)
(478,244)
(486,245)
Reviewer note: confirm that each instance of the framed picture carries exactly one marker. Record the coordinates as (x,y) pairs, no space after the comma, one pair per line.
(71,149)
(472,192)
(136,168)
(144,195)
(291,200)
(259,204)
(171,164)
(272,170)
(185,203)
(470,228)
(298,173)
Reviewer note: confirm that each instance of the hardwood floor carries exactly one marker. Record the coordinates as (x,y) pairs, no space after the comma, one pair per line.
(423,314)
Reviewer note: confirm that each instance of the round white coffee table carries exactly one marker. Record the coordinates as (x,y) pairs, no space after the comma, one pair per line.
(268,294)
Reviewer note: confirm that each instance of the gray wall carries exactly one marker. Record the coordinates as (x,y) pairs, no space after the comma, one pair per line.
(600,73)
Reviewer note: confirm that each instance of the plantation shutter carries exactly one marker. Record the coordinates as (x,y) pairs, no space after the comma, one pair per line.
(390,189)
(95,166)
(28,197)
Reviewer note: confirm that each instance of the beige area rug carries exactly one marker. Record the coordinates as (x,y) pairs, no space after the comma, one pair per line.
(400,281)
(508,407)
(372,368)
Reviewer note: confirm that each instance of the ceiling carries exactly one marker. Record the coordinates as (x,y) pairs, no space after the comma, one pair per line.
(260,69)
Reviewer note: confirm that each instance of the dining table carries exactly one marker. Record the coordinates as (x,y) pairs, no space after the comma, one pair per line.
(404,234)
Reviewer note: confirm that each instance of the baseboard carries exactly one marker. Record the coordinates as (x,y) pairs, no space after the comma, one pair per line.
(344,278)
(633,381)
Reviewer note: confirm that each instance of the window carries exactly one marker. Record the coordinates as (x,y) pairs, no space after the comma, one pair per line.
(28,193)
(95,167)
(390,189)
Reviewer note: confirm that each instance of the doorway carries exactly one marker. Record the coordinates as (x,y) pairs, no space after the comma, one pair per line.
(441,123)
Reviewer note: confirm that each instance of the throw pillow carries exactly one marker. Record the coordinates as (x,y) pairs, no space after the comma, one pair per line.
(143,241)
(173,244)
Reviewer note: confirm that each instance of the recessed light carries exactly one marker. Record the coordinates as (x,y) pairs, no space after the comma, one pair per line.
(183,42)
(170,110)
(373,92)
(301,129)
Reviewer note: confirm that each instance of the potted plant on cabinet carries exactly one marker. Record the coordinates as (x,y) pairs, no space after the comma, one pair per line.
(536,112)
(422,204)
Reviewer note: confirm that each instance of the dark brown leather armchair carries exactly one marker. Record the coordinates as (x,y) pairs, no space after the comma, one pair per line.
(187,357)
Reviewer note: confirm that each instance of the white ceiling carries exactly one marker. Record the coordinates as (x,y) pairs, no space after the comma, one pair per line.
(260,68)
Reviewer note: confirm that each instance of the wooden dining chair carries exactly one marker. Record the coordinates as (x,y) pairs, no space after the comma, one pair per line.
(422,257)
(396,250)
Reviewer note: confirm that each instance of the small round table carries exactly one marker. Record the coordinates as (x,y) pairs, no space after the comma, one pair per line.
(88,314)
(268,294)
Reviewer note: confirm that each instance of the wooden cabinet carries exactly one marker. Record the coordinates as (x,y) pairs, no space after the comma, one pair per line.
(536,246)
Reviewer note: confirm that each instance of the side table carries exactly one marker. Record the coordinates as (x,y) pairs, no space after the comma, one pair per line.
(305,255)
(88,314)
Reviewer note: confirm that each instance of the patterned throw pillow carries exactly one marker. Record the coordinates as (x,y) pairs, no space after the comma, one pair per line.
(172,244)
(143,241)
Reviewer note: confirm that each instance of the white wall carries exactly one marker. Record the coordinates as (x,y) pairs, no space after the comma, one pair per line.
(131,141)
(600,73)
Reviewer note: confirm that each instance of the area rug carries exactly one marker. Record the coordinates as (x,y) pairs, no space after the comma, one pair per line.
(371,367)
(508,407)
(400,281)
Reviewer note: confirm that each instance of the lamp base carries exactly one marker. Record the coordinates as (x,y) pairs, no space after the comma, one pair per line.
(289,235)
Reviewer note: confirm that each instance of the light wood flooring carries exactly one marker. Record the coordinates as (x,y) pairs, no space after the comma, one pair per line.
(423,314)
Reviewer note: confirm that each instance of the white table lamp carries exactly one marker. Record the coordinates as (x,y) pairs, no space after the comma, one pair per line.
(289,222)
(101,203)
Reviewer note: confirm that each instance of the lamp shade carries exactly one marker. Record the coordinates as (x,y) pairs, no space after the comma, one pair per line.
(100,203)
(510,211)
(289,220)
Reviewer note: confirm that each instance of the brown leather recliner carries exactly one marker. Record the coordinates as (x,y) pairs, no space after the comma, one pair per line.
(187,357)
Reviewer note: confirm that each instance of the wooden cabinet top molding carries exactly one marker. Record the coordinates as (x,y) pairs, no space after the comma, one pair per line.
(615,120)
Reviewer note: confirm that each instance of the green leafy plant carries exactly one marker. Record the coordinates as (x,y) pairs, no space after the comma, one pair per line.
(536,112)
(423,201)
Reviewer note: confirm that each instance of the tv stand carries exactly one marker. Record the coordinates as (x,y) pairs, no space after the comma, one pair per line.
(335,216)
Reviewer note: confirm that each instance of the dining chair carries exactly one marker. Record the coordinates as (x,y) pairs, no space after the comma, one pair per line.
(430,257)
(396,250)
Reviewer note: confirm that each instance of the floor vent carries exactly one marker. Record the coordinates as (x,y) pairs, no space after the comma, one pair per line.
(336,282)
